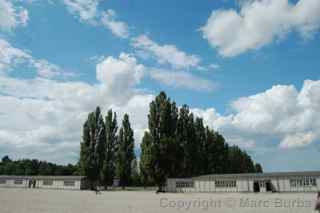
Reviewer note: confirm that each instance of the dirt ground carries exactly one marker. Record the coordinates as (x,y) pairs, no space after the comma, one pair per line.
(60,201)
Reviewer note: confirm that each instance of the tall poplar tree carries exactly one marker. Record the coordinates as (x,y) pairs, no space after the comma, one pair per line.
(188,142)
(108,167)
(200,146)
(162,120)
(92,147)
(146,159)
(125,152)
(217,152)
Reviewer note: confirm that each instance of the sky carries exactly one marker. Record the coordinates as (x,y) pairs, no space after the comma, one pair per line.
(250,68)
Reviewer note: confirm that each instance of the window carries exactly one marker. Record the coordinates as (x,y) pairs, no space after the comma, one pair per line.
(48,182)
(184,184)
(3,181)
(308,181)
(226,183)
(18,182)
(68,183)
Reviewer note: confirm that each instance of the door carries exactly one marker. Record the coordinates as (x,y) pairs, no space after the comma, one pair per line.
(256,186)
(268,186)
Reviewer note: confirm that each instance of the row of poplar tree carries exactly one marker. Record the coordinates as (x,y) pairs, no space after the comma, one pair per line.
(105,152)
(177,144)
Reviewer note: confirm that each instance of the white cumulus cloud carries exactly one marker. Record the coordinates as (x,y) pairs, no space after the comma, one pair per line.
(119,75)
(11,57)
(258,23)
(11,15)
(165,54)
(183,80)
(118,28)
(281,114)
(44,117)
(85,10)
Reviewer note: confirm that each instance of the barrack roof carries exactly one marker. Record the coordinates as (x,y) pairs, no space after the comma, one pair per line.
(260,175)
(42,177)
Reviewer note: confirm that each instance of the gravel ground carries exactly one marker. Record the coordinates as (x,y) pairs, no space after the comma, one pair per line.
(54,201)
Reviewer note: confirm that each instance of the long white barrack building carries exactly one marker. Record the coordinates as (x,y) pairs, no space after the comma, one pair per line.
(45,182)
(248,182)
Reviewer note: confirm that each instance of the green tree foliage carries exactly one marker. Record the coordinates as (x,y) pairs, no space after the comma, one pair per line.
(108,168)
(162,127)
(188,144)
(34,167)
(216,153)
(146,160)
(125,152)
(92,149)
(258,168)
(201,146)
(6,159)
(240,161)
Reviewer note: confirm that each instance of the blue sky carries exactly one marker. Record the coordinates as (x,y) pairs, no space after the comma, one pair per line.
(249,68)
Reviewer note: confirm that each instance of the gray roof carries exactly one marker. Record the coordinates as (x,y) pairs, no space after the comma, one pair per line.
(9,177)
(261,175)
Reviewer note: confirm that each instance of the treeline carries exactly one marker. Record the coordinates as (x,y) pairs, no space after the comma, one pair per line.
(177,144)
(34,167)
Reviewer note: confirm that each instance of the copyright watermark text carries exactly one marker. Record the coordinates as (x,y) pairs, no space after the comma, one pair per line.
(231,202)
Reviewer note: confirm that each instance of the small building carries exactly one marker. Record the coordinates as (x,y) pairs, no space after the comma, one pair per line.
(248,182)
(44,182)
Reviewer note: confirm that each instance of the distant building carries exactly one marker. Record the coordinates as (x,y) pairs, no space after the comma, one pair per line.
(248,182)
(44,182)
